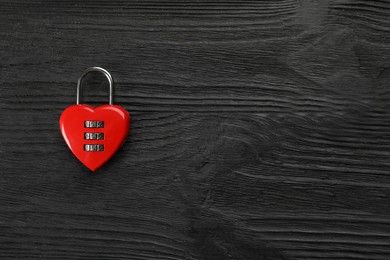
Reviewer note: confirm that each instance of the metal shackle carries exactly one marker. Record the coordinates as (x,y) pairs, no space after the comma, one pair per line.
(98,69)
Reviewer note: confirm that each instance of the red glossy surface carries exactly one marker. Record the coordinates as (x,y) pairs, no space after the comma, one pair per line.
(116,127)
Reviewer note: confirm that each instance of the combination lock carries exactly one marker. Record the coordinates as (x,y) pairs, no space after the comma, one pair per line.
(94,134)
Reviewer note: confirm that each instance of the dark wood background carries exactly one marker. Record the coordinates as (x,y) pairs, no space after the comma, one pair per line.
(261,130)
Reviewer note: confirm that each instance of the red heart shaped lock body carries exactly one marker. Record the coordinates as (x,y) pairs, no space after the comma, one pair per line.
(94,134)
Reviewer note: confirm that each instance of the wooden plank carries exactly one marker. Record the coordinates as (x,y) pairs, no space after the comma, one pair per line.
(260,130)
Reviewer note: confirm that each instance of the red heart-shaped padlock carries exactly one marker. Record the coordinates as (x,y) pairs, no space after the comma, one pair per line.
(94,134)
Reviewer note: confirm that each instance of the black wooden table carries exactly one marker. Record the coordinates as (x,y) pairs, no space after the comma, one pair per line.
(260,130)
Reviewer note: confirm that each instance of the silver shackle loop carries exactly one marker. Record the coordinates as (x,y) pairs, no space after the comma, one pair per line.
(98,69)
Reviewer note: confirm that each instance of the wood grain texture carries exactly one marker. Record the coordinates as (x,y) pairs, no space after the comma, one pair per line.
(261,130)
